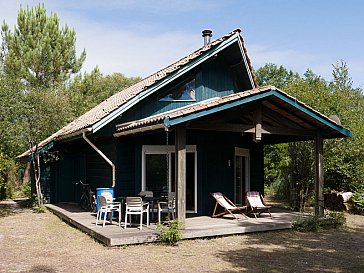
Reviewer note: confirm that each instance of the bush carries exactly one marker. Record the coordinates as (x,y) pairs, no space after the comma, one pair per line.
(36,207)
(314,223)
(170,232)
(357,202)
(26,190)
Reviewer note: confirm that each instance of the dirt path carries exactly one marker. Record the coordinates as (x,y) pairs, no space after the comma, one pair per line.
(32,242)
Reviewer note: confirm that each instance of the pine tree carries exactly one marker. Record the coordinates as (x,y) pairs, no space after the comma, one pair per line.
(38,52)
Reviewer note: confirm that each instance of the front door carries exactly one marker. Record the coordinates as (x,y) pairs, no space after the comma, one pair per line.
(241,177)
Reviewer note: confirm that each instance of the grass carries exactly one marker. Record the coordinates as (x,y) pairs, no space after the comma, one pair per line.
(33,242)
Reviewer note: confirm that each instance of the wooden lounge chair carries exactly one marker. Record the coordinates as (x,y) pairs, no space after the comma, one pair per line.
(256,203)
(228,206)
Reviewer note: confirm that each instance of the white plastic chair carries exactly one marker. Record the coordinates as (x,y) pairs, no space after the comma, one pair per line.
(108,196)
(135,206)
(110,199)
(167,207)
(105,208)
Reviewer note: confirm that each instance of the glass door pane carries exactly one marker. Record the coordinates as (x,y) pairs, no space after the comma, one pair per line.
(190,181)
(156,174)
(240,180)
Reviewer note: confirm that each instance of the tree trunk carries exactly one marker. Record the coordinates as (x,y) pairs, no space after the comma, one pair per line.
(26,175)
(36,167)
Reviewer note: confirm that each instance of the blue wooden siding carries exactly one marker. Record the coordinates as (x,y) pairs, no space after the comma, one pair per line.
(125,168)
(99,172)
(48,185)
(70,169)
(217,81)
(214,79)
(77,162)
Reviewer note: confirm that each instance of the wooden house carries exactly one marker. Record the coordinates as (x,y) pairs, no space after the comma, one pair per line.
(194,127)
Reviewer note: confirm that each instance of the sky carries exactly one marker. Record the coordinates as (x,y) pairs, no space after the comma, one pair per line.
(138,38)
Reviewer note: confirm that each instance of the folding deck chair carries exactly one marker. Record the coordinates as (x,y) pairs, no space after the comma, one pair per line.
(228,206)
(256,203)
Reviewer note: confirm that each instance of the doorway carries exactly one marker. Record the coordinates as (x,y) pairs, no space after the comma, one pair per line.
(241,175)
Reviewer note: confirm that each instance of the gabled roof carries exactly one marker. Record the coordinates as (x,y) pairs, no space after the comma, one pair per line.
(304,117)
(112,107)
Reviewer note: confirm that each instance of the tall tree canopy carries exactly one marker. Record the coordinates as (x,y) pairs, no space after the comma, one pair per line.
(90,89)
(41,88)
(38,52)
(275,75)
(343,158)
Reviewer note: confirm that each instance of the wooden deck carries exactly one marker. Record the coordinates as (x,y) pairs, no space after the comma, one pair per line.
(195,227)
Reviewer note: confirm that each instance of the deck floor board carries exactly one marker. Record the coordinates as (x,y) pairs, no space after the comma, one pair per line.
(195,227)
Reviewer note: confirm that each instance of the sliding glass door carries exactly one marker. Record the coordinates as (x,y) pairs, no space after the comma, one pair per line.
(159,172)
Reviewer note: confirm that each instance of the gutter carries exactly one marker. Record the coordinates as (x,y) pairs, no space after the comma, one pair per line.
(103,156)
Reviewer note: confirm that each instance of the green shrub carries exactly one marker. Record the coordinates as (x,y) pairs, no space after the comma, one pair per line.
(357,202)
(42,209)
(306,224)
(26,190)
(314,223)
(36,207)
(170,232)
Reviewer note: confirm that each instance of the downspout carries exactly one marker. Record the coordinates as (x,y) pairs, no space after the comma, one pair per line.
(103,156)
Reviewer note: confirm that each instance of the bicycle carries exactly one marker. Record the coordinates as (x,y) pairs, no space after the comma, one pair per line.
(87,200)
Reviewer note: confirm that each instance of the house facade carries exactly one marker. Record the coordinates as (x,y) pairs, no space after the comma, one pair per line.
(194,127)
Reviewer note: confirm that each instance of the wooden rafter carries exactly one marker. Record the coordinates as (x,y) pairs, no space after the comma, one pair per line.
(280,119)
(290,115)
(248,128)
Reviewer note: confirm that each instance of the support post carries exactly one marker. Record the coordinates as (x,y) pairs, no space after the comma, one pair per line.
(319,175)
(180,145)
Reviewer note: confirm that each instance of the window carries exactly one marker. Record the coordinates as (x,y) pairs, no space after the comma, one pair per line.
(184,92)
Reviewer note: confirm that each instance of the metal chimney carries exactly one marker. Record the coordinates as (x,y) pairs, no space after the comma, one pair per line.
(206,34)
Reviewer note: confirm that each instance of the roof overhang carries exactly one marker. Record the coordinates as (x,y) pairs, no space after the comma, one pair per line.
(283,118)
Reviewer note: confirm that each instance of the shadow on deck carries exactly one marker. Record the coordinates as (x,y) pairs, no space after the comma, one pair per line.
(195,227)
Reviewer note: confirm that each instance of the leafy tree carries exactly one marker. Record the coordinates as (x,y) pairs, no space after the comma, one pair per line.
(299,173)
(3,174)
(343,158)
(271,74)
(344,165)
(37,60)
(92,88)
(11,142)
(275,157)
(43,113)
(38,52)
